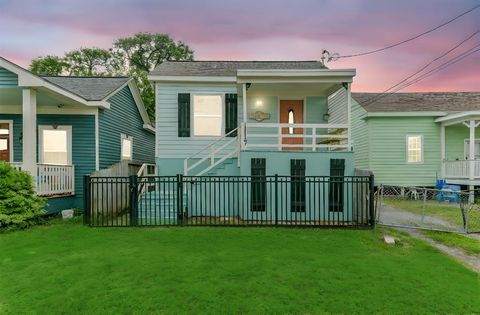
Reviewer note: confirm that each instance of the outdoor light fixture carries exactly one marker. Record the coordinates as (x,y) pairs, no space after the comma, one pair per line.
(259,103)
(326,117)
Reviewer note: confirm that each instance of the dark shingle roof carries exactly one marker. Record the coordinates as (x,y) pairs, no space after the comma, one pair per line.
(420,102)
(228,68)
(89,88)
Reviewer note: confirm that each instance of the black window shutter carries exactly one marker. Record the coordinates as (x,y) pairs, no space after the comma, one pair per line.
(335,191)
(183,114)
(259,184)
(231,114)
(297,191)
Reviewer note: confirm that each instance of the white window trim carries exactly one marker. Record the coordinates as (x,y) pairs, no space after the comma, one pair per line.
(421,148)
(192,116)
(124,136)
(41,128)
(10,136)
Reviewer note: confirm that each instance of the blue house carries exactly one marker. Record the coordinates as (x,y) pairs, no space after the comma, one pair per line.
(255,119)
(61,128)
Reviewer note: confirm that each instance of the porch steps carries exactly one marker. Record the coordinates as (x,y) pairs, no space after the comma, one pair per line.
(214,171)
(158,208)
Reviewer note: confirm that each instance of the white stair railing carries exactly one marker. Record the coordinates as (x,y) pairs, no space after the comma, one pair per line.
(216,153)
(146,183)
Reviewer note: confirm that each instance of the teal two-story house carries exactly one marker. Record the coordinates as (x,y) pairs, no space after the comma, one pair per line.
(61,128)
(254,118)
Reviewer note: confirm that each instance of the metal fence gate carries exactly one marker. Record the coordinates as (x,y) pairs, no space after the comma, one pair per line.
(426,208)
(320,201)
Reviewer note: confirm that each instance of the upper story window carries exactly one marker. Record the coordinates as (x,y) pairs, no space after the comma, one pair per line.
(55,143)
(415,149)
(207,115)
(126,147)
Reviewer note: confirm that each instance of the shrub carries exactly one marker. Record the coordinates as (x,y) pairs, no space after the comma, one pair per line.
(19,205)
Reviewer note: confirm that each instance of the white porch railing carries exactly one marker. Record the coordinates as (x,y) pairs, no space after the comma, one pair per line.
(314,136)
(460,169)
(212,155)
(52,179)
(55,179)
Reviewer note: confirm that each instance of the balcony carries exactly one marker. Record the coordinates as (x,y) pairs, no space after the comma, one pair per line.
(52,180)
(294,137)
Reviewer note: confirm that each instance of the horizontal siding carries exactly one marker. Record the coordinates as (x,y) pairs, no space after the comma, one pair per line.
(7,78)
(360,136)
(123,117)
(83,146)
(454,141)
(168,144)
(387,140)
(337,107)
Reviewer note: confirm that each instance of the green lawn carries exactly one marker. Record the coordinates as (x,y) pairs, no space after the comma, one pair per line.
(70,269)
(469,245)
(446,212)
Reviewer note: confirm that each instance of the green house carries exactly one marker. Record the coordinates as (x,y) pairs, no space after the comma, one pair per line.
(414,139)
(62,128)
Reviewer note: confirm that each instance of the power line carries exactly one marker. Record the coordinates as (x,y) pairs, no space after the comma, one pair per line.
(407,40)
(373,99)
(444,65)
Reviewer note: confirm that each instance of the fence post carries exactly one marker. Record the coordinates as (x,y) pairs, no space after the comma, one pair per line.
(133,183)
(424,206)
(180,199)
(372,201)
(87,200)
(276,199)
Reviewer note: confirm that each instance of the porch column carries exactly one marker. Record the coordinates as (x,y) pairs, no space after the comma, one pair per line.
(471,157)
(29,138)
(349,113)
(244,102)
(442,151)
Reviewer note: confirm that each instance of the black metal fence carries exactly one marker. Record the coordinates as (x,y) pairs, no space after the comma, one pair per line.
(230,201)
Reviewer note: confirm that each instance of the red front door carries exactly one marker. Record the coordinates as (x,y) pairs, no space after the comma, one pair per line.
(5,142)
(291,112)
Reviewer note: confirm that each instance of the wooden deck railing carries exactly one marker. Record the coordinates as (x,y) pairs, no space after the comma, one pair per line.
(460,169)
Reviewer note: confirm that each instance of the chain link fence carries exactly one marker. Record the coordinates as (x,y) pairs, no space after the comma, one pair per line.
(427,208)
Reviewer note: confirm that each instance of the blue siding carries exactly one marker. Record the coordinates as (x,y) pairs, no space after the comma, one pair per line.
(7,78)
(83,150)
(123,117)
(83,146)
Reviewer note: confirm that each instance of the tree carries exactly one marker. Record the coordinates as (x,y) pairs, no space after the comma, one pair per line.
(132,56)
(49,65)
(92,62)
(145,51)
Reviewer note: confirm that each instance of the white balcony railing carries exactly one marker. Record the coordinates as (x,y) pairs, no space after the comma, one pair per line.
(285,137)
(460,169)
(52,179)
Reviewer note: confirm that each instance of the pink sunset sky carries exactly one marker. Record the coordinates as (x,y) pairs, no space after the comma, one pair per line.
(261,30)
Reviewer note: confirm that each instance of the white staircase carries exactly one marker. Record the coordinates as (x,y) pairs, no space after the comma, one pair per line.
(213,156)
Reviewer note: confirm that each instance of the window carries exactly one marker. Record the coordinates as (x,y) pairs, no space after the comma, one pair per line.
(414,149)
(291,120)
(467,148)
(297,190)
(55,145)
(207,115)
(259,184)
(127,147)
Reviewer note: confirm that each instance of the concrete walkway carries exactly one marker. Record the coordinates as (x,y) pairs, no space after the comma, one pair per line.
(470,261)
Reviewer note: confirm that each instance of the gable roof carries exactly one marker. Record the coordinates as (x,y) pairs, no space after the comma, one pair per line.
(89,88)
(229,68)
(420,102)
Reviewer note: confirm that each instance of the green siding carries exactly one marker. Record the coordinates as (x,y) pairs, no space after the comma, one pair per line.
(315,108)
(387,141)
(7,78)
(360,136)
(454,141)
(123,117)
